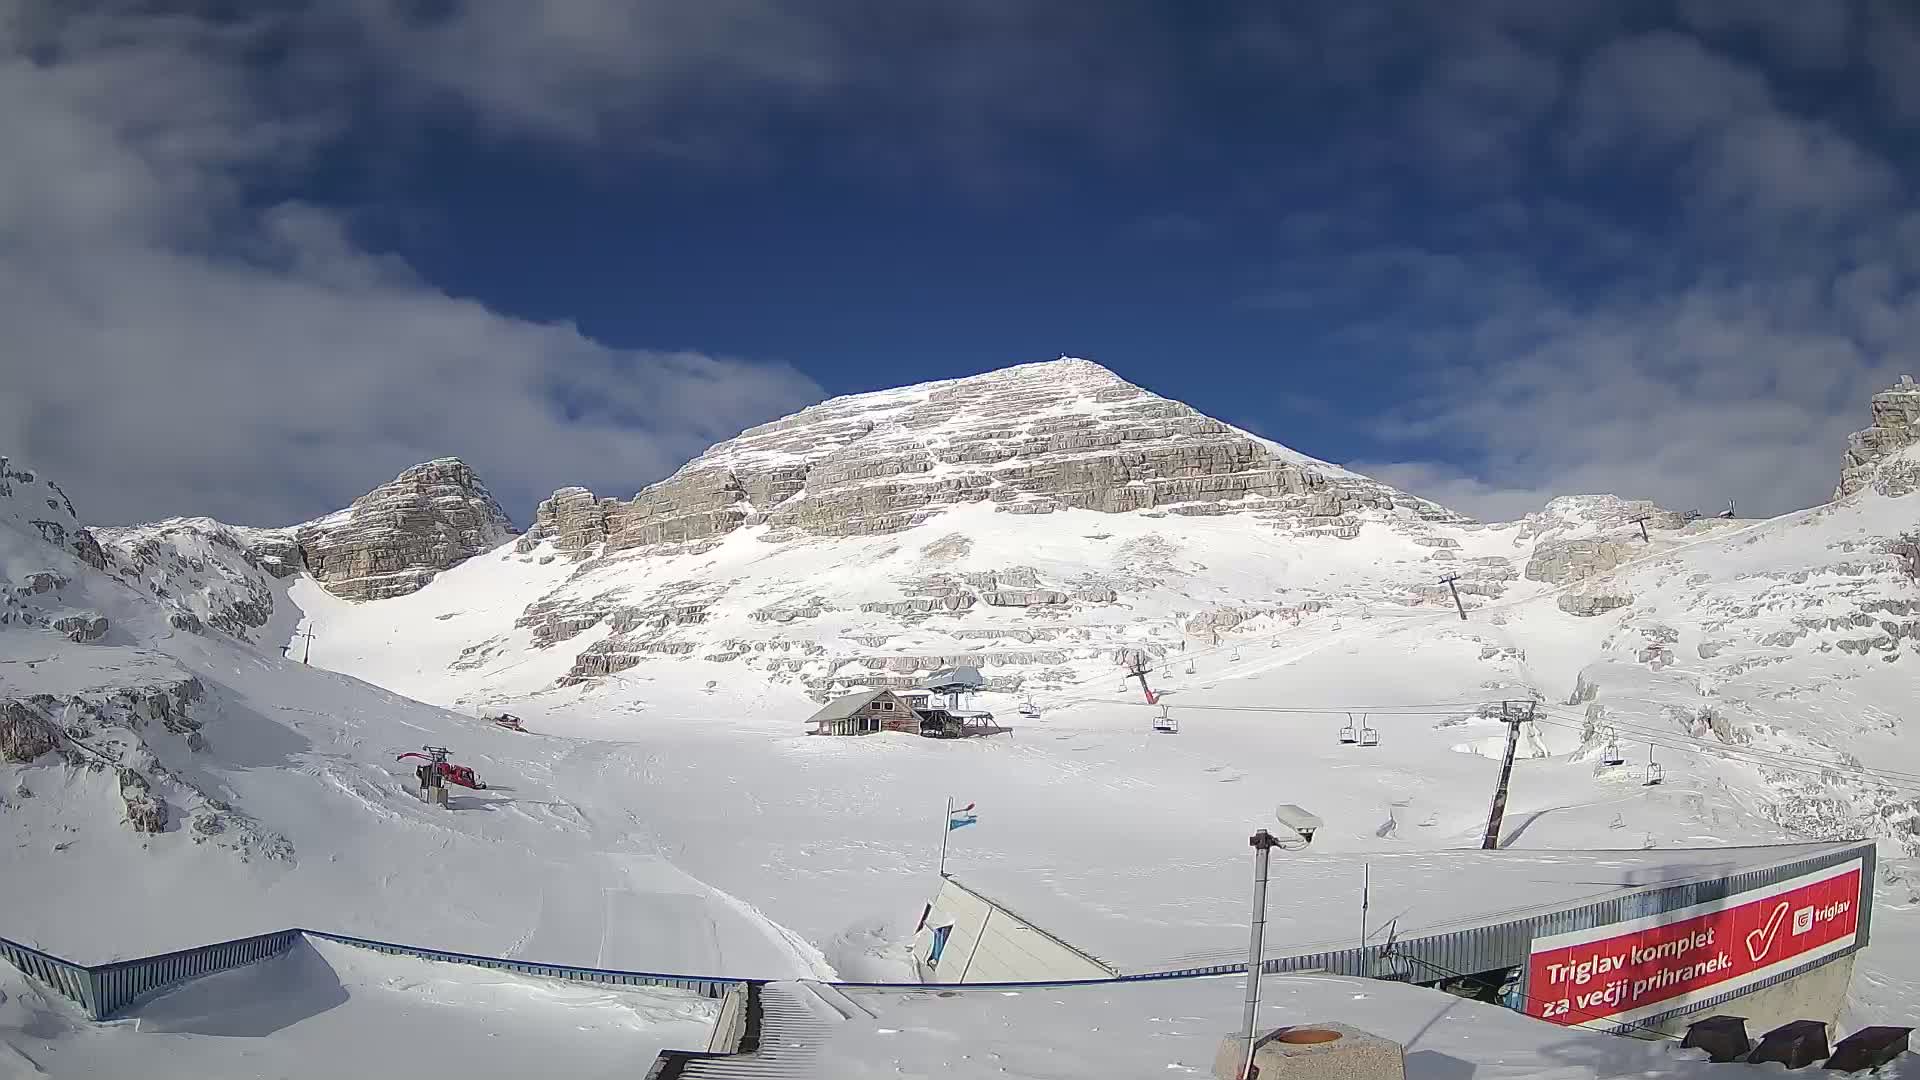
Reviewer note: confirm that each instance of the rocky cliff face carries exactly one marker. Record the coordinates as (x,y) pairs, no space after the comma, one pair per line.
(1871,451)
(1031,439)
(207,574)
(395,538)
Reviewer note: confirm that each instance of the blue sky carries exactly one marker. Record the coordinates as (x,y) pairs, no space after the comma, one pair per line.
(1488,251)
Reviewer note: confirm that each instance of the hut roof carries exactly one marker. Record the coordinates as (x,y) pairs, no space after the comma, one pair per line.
(844,706)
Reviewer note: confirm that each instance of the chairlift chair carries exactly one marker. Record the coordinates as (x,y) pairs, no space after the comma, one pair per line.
(1165,723)
(1611,756)
(1236,653)
(1655,773)
(1029,710)
(1189,667)
(1369,736)
(1350,734)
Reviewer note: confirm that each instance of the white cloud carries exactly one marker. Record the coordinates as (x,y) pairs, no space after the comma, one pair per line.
(1663,97)
(172,348)
(1715,392)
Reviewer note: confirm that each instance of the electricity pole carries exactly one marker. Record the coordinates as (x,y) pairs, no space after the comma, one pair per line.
(1448,581)
(1642,522)
(1513,719)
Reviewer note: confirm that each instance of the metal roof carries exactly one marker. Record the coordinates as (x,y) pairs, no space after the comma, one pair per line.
(965,677)
(844,706)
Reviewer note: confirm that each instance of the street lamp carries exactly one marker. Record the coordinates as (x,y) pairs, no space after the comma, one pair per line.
(1302,824)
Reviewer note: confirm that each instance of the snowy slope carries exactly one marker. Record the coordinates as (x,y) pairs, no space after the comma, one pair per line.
(244,791)
(1669,646)
(670,813)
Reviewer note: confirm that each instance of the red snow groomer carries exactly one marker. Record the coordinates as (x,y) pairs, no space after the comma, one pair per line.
(447,771)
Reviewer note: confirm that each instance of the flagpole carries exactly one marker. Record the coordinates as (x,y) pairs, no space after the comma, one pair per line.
(946,826)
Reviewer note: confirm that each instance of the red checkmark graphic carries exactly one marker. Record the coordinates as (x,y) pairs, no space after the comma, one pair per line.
(1760,942)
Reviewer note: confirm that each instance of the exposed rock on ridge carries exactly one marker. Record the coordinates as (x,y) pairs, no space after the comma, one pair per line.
(1031,439)
(1896,425)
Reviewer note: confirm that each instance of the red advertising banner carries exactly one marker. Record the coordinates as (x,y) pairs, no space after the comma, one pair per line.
(1622,971)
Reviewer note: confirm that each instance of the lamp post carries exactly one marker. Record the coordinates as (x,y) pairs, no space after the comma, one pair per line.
(1303,825)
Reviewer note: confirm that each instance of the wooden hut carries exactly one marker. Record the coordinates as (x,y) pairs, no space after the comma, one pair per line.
(863,714)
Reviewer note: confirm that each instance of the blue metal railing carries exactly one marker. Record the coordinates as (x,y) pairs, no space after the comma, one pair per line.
(702,985)
(103,990)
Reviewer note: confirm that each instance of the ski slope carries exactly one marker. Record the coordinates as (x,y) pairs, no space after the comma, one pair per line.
(674,816)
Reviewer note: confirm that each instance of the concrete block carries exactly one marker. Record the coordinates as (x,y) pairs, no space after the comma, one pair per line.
(1724,1038)
(1869,1048)
(1794,1045)
(1320,1051)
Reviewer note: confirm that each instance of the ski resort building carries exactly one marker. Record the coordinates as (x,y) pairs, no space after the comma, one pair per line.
(863,714)
(1606,939)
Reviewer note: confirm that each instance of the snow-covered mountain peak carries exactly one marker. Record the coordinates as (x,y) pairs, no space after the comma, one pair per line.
(1038,438)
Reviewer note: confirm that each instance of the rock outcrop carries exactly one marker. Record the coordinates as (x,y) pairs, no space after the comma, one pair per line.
(208,573)
(1031,439)
(395,538)
(1558,562)
(1896,426)
(82,626)
(24,733)
(39,504)
(1593,601)
(145,813)
(573,519)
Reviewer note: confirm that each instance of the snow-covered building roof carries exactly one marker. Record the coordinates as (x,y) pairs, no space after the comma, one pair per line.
(845,705)
(1195,915)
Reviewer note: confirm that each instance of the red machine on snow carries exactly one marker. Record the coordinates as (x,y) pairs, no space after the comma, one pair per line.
(436,761)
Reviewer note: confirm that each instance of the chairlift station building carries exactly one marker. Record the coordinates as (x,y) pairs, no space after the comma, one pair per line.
(1615,940)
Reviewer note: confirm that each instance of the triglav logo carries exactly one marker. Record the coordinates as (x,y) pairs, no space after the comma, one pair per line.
(1760,942)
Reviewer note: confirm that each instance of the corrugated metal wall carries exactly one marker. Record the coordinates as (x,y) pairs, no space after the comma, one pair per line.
(120,983)
(105,989)
(70,980)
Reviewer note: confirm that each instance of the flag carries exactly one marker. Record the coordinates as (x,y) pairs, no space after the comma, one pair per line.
(961,816)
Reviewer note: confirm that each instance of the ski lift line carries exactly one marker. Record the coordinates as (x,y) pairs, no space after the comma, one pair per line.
(1736,755)
(1317,616)
(1768,757)
(1434,709)
(1783,763)
(1771,757)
